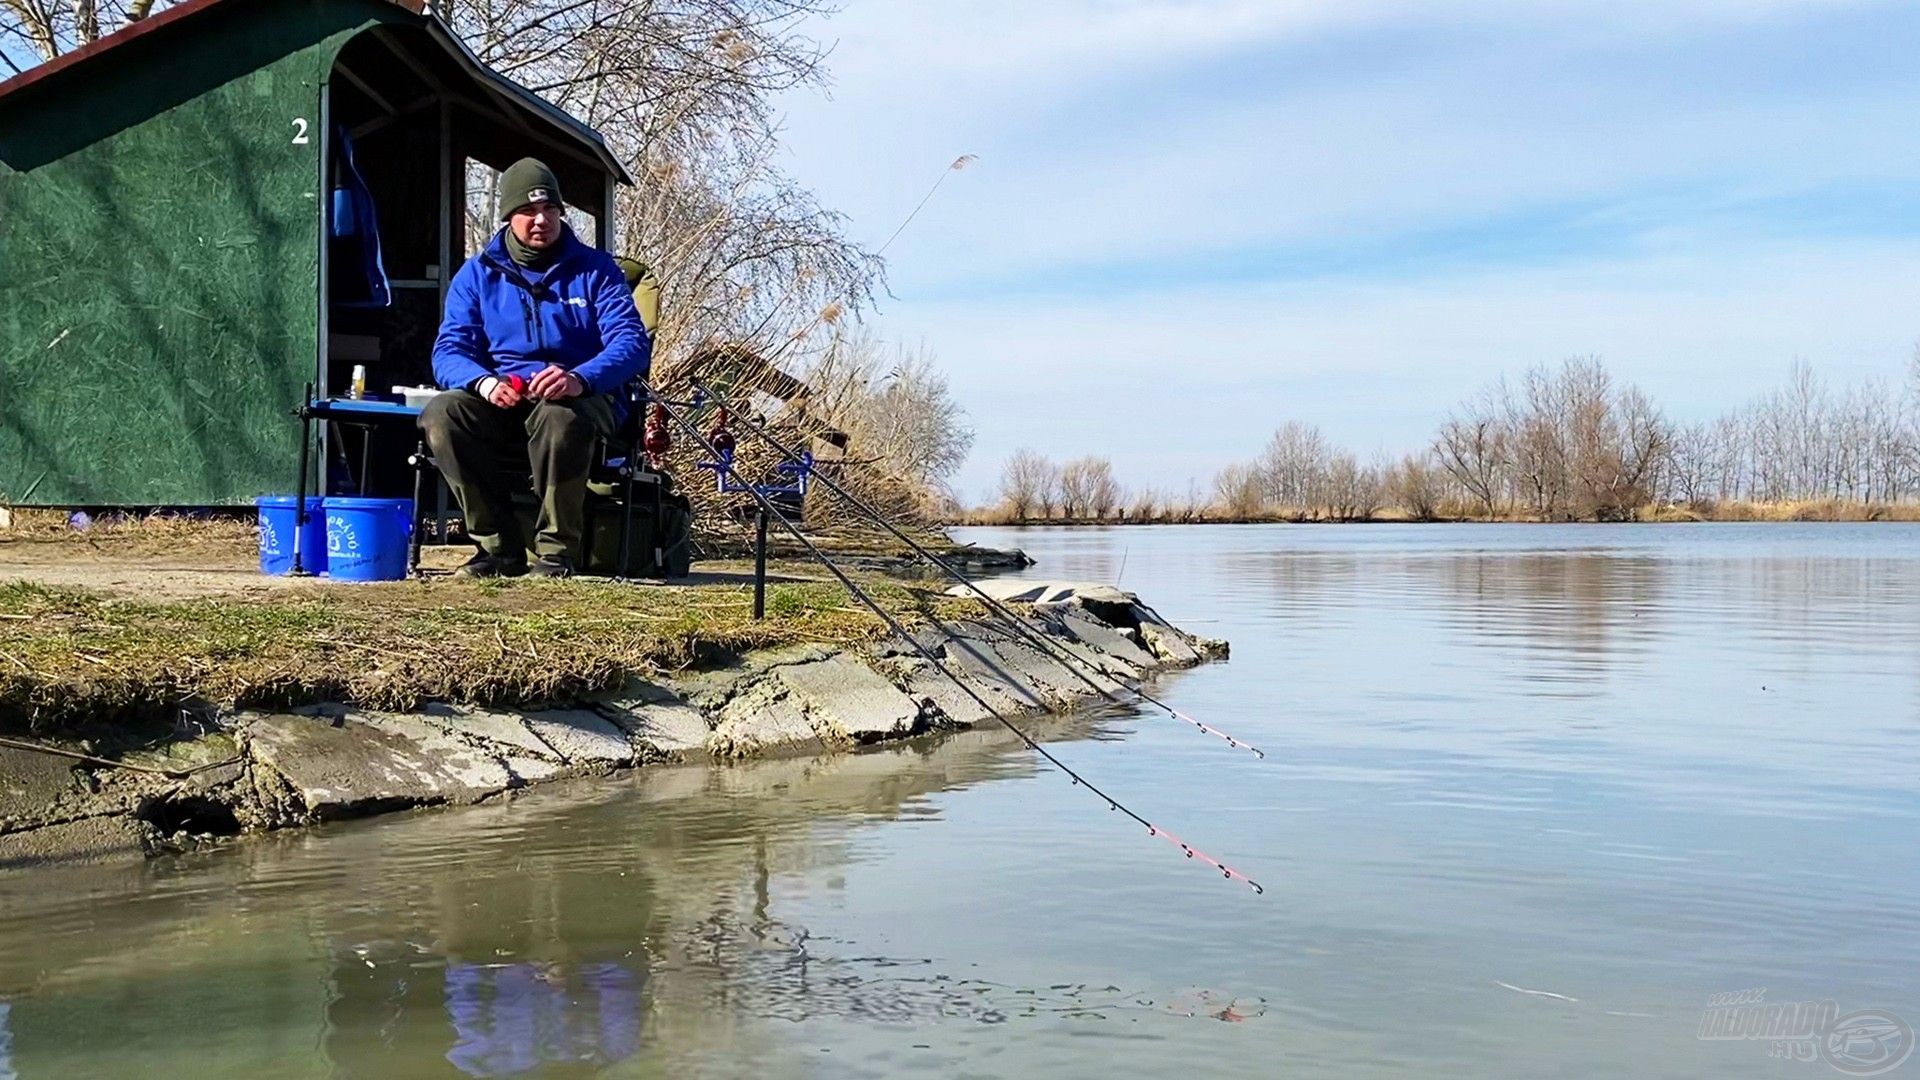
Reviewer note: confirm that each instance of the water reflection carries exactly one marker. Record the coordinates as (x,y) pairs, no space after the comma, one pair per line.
(575,927)
(6,1045)
(1565,624)
(509,1018)
(1570,621)
(1630,767)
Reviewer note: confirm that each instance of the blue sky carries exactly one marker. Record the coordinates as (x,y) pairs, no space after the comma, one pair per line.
(1192,221)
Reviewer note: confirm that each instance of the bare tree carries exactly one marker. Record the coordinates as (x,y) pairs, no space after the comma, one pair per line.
(1049,488)
(1240,490)
(32,31)
(1146,505)
(1189,508)
(1415,485)
(1908,449)
(1690,470)
(894,405)
(685,92)
(1078,480)
(1023,483)
(1472,448)
(1536,425)
(1293,466)
(1349,492)
(1571,441)
(1103,491)
(1802,441)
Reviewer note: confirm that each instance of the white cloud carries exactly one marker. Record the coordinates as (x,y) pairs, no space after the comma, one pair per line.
(1065,39)
(1128,147)
(1104,137)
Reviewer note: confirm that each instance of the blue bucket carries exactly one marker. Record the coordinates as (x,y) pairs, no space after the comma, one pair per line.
(367,538)
(279,515)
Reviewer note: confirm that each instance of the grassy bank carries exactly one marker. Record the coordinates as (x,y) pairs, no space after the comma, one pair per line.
(142,617)
(70,655)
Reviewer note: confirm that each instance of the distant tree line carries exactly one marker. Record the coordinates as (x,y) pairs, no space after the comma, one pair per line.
(1033,487)
(1565,443)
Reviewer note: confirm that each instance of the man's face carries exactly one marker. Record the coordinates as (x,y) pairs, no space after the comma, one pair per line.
(537,225)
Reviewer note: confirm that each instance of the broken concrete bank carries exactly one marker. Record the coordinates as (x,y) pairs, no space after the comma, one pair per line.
(254,771)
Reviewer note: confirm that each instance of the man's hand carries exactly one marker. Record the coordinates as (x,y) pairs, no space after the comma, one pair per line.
(555,384)
(505,393)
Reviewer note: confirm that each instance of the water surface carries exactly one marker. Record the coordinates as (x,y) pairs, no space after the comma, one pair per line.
(1628,767)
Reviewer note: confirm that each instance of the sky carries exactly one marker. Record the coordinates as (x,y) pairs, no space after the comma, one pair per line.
(1191,221)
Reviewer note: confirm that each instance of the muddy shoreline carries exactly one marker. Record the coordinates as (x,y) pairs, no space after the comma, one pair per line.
(255,771)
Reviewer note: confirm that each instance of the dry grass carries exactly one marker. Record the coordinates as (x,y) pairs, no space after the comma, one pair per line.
(134,534)
(77,655)
(71,656)
(230,539)
(1813,510)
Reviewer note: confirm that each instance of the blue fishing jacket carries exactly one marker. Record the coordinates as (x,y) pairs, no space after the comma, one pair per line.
(502,319)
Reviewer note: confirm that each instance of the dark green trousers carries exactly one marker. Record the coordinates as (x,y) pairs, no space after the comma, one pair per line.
(485,452)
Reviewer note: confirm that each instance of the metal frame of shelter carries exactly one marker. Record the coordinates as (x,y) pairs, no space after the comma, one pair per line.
(167,282)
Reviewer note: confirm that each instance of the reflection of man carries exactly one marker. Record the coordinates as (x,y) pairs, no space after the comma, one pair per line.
(510,1019)
(540,332)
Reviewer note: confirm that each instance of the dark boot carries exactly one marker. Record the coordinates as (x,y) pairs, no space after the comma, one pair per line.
(551,566)
(483,565)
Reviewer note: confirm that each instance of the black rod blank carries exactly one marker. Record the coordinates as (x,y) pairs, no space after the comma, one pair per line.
(853,589)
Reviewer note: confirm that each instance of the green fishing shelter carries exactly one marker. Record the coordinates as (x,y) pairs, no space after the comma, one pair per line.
(206,212)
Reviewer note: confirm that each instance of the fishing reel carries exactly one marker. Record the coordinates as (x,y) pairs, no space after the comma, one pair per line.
(720,436)
(657,439)
(722,439)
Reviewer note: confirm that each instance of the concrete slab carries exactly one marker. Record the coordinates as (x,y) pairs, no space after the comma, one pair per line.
(765,717)
(532,770)
(341,766)
(674,729)
(475,769)
(1047,682)
(216,777)
(92,839)
(1169,644)
(187,754)
(581,737)
(1090,665)
(638,692)
(507,730)
(32,785)
(712,689)
(988,674)
(848,698)
(925,683)
(1007,590)
(1111,640)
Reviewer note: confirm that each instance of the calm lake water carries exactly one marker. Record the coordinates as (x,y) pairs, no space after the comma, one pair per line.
(1532,795)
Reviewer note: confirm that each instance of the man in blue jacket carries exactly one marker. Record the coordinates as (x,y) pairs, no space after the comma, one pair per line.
(540,335)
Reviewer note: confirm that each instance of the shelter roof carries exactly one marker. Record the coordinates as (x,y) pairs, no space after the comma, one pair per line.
(98,56)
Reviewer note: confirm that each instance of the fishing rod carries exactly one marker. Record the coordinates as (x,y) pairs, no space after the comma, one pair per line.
(767,507)
(1052,649)
(834,307)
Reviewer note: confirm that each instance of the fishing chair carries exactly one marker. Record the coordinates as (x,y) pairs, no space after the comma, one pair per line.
(620,465)
(618,468)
